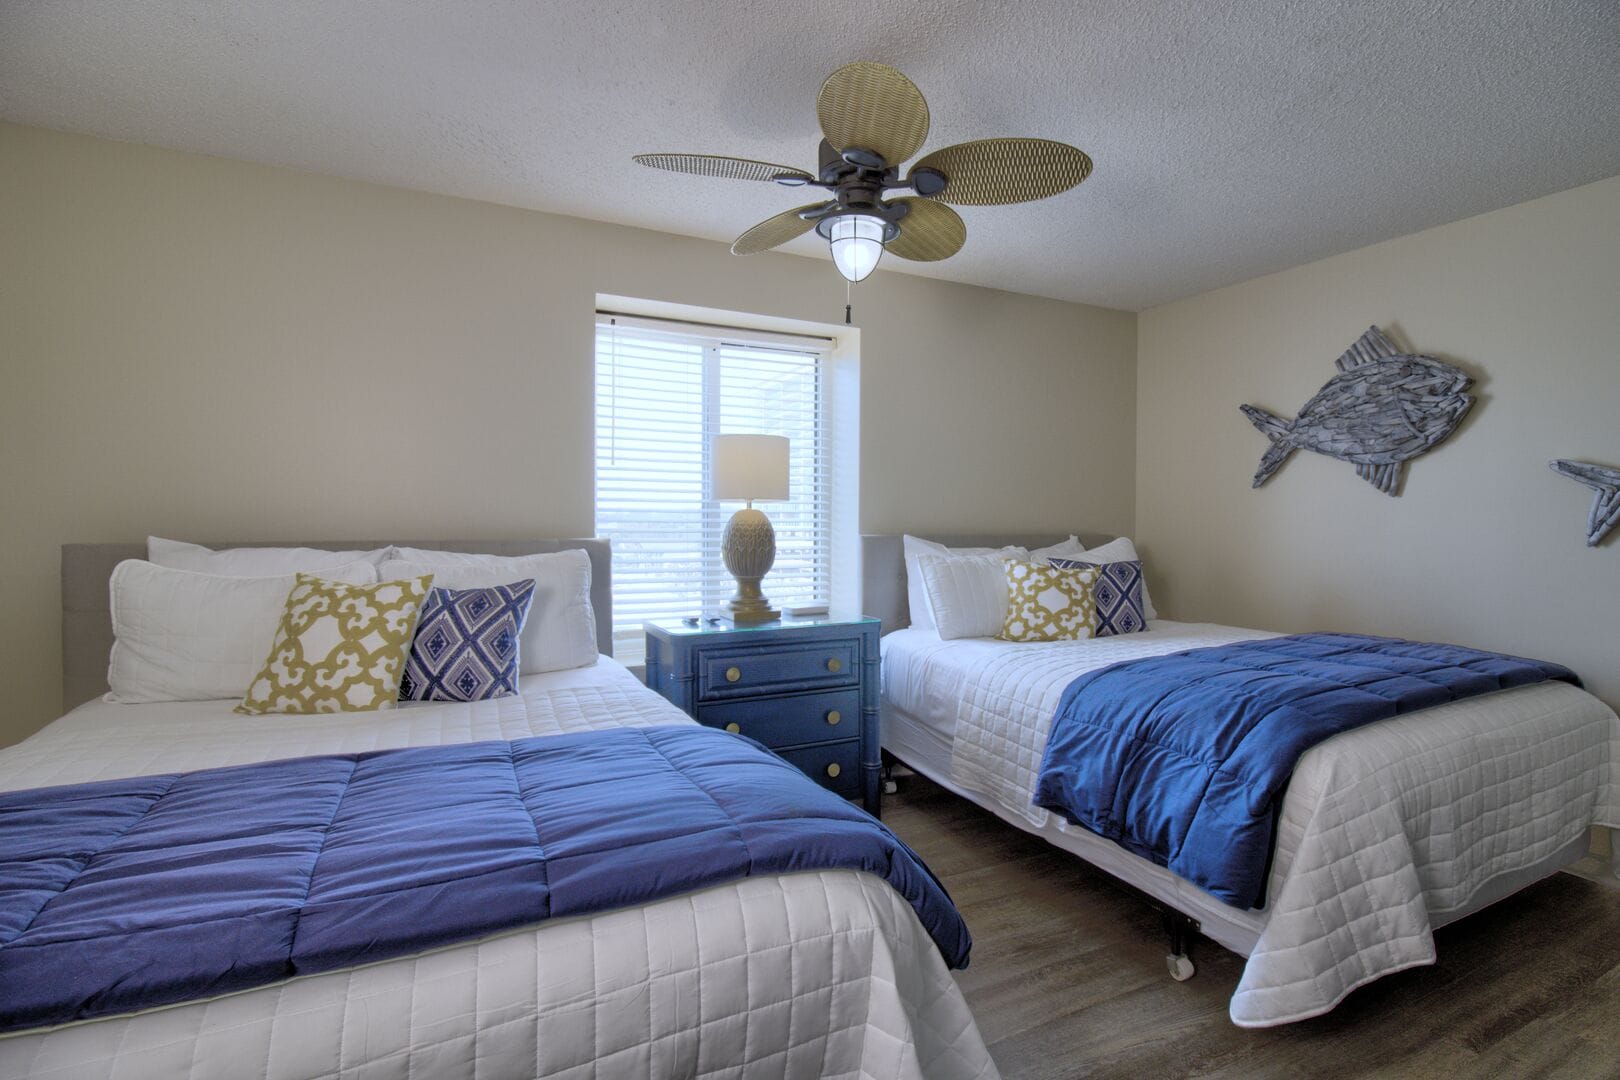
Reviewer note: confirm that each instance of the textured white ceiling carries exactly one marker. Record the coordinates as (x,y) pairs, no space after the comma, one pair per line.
(1232,137)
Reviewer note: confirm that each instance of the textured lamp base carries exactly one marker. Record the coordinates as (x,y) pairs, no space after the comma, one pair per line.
(749,551)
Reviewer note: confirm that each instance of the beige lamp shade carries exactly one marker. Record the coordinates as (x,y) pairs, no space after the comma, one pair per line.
(749,467)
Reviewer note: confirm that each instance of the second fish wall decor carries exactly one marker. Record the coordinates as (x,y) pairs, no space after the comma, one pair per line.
(1605,483)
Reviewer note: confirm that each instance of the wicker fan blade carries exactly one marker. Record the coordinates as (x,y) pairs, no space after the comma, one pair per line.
(929,232)
(774,231)
(874,107)
(727,168)
(992,172)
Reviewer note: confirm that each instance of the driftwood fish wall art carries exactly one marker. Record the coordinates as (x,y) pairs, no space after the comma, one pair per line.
(1384,408)
(1605,512)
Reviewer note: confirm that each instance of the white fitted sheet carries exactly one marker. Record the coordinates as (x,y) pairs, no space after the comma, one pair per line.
(1385,833)
(804,975)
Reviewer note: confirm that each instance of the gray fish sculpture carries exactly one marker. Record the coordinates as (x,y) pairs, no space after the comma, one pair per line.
(1605,512)
(1384,408)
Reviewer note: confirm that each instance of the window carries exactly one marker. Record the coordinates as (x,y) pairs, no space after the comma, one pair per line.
(663,391)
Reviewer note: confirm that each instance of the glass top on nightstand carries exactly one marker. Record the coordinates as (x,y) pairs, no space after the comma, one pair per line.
(678,627)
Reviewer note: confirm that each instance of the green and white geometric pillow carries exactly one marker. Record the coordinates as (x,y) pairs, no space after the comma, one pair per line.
(1048,603)
(339,648)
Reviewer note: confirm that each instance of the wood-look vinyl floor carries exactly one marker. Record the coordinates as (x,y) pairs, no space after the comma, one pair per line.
(1068,979)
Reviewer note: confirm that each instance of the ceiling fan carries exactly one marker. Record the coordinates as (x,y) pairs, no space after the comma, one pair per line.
(874,119)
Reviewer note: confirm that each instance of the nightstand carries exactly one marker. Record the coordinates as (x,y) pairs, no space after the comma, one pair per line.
(806,688)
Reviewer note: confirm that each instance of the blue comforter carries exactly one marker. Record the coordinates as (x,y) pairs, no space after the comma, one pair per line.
(128,894)
(1183,758)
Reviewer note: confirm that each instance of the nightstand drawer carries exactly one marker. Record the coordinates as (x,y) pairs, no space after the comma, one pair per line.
(835,766)
(729,673)
(790,721)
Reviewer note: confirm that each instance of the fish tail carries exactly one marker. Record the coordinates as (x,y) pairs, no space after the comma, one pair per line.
(1278,431)
(1271,461)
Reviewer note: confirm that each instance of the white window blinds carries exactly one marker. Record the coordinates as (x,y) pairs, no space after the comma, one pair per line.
(662,393)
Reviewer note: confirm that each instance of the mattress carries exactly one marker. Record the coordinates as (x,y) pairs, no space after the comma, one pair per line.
(1385,833)
(809,974)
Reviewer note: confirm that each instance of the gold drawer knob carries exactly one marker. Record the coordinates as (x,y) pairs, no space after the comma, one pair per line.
(833,769)
(734,728)
(835,664)
(733,674)
(834,716)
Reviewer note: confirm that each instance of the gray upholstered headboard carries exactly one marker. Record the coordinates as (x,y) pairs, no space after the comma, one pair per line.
(87,625)
(883,567)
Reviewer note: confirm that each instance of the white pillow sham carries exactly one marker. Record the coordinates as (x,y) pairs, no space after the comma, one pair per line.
(561,630)
(183,636)
(1063,549)
(1121,550)
(913,547)
(967,595)
(254,561)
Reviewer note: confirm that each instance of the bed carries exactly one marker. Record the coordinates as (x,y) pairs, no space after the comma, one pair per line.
(1384,834)
(797,974)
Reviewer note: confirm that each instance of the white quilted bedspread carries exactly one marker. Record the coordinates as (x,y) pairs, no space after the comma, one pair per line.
(1384,831)
(102,740)
(824,974)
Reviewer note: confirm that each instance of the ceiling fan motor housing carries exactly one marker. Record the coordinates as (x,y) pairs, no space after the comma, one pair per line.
(859,179)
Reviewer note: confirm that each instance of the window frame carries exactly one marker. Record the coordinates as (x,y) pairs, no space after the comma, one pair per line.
(720,347)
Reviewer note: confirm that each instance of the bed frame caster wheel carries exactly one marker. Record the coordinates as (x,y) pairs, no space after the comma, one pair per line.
(889,761)
(1183,929)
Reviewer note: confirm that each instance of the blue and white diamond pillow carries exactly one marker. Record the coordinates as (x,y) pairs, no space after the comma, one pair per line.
(1118,593)
(467,644)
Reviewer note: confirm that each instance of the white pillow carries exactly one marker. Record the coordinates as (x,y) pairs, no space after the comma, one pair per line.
(561,630)
(922,617)
(1063,549)
(1122,550)
(254,562)
(184,636)
(967,595)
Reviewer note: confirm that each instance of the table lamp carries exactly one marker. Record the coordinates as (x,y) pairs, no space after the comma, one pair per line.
(749,467)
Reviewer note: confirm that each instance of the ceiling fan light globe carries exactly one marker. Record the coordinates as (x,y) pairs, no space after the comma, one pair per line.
(856,241)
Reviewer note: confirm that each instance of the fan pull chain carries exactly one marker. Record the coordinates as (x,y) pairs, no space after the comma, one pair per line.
(846,301)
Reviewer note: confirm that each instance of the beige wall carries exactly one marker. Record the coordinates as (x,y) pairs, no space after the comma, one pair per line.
(211,349)
(214,349)
(1485,545)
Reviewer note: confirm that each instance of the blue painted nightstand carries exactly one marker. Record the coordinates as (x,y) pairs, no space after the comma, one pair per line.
(806,688)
